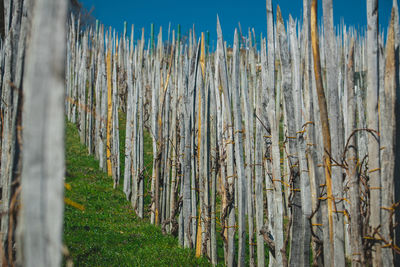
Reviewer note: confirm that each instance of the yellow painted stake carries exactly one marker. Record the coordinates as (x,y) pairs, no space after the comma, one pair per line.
(202,64)
(324,120)
(109,111)
(202,55)
(198,239)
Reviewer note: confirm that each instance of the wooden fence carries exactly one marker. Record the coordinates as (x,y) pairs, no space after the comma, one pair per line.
(287,144)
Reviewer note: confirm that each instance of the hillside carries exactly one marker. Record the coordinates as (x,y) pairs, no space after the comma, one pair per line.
(106,232)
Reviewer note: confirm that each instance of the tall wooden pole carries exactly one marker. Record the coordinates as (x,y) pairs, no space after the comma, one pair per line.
(373,123)
(326,135)
(43,136)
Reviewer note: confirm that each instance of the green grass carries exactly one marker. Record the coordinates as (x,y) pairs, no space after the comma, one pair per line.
(106,232)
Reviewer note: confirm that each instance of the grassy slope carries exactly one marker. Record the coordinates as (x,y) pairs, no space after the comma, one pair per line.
(107,233)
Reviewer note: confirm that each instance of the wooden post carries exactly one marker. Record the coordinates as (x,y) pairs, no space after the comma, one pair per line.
(268,80)
(324,123)
(373,123)
(336,126)
(109,105)
(249,148)
(229,145)
(304,183)
(356,234)
(43,169)
(388,125)
(239,154)
(114,131)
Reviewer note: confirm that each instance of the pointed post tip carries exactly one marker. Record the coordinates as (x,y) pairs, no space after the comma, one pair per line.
(279,14)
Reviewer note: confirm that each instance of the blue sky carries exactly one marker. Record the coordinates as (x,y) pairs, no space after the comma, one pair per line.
(250,14)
